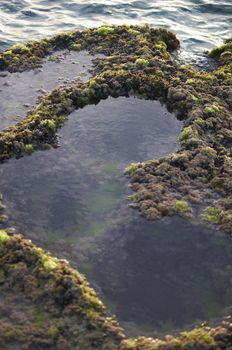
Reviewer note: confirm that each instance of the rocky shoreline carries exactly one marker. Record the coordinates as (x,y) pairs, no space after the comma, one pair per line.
(60,311)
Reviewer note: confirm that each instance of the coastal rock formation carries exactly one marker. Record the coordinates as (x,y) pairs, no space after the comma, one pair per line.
(55,308)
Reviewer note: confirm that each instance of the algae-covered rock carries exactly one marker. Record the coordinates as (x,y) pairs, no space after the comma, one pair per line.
(45,304)
(138,62)
(204,338)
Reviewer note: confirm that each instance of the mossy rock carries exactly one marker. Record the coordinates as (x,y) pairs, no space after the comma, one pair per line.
(59,309)
(202,166)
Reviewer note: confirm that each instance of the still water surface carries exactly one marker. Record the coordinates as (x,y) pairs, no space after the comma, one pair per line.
(72,201)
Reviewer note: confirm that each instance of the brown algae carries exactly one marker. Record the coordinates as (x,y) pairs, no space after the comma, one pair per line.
(138,63)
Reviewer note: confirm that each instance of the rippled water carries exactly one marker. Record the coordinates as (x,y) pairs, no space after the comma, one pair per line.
(199,24)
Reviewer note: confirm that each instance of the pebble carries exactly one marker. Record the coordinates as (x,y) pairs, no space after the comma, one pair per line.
(38,70)
(3,74)
(41,91)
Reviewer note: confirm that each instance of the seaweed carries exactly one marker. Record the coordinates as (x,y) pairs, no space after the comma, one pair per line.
(65,311)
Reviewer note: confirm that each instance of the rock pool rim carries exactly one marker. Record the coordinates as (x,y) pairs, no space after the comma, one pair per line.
(172,185)
(66,294)
(203,99)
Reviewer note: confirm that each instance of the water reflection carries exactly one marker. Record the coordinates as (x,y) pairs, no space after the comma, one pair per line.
(72,201)
(164,275)
(69,191)
(19,92)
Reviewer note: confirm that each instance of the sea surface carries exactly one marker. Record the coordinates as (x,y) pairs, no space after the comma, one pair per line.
(199,24)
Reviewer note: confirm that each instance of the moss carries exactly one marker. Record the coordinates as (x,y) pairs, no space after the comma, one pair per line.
(141,63)
(211,214)
(20,49)
(197,336)
(4,237)
(53,331)
(76,47)
(212,109)
(54,59)
(203,98)
(60,120)
(199,121)
(89,91)
(16,60)
(105,31)
(57,309)
(131,168)
(185,133)
(201,167)
(49,123)
(134,32)
(40,318)
(181,206)
(217,51)
(49,264)
(29,149)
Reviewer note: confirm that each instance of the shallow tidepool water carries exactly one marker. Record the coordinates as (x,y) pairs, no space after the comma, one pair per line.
(19,92)
(160,276)
(73,201)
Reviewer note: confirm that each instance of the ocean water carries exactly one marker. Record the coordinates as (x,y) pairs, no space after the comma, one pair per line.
(199,24)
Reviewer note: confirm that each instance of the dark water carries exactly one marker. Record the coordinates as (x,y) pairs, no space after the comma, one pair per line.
(72,201)
(200,24)
(68,192)
(164,275)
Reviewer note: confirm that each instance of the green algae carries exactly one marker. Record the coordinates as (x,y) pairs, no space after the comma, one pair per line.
(212,109)
(141,63)
(104,31)
(112,168)
(203,161)
(211,214)
(129,170)
(185,133)
(76,47)
(50,298)
(48,263)
(105,198)
(4,237)
(29,148)
(199,338)
(181,206)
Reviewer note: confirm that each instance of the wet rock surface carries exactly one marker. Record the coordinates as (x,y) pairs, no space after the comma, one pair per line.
(73,201)
(138,62)
(47,305)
